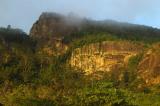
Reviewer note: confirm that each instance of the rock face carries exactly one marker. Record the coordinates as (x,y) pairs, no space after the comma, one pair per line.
(109,56)
(54,25)
(104,56)
(50,30)
(149,67)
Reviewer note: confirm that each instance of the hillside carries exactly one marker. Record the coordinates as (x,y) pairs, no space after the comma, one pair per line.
(58,26)
(74,61)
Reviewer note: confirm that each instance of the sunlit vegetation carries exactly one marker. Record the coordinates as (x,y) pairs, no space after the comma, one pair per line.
(30,79)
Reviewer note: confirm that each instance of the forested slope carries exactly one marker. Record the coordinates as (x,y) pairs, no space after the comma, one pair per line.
(80,62)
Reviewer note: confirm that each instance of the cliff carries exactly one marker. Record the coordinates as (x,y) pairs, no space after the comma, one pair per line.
(113,56)
(104,56)
(149,67)
(53,25)
(70,61)
(100,52)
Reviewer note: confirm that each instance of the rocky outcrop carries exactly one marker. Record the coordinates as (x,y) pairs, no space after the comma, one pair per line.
(107,56)
(104,56)
(53,25)
(56,25)
(49,31)
(149,67)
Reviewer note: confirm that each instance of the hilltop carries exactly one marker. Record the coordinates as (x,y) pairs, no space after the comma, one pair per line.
(60,26)
(74,61)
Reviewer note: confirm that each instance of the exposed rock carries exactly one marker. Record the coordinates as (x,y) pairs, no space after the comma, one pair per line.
(149,67)
(104,56)
(50,30)
(54,25)
(57,25)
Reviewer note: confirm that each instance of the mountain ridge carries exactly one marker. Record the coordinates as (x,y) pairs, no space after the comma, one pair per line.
(82,24)
(65,63)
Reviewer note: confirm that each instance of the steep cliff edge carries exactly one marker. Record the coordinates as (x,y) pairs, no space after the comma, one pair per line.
(105,46)
(53,25)
(104,56)
(95,65)
(149,67)
(113,56)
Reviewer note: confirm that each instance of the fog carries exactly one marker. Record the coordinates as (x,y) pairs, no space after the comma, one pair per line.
(23,13)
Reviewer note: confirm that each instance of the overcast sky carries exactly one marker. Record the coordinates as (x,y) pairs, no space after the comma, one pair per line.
(23,13)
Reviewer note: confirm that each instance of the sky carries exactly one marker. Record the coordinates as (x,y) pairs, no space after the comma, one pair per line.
(23,13)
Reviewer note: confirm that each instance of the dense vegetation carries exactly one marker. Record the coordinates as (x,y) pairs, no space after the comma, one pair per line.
(31,79)
(116,29)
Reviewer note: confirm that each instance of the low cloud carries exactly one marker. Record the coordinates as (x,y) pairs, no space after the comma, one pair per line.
(23,13)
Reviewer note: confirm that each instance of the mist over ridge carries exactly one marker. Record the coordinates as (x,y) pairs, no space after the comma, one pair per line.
(145,12)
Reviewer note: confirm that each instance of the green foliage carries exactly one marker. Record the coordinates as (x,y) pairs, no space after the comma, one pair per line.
(118,30)
(103,93)
(16,36)
(130,73)
(35,102)
(25,96)
(30,79)
(134,61)
(95,38)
